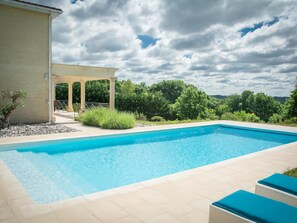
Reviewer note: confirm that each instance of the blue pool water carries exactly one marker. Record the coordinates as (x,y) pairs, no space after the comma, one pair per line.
(57,170)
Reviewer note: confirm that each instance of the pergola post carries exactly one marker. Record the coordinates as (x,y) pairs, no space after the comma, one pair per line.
(70,107)
(111,93)
(82,95)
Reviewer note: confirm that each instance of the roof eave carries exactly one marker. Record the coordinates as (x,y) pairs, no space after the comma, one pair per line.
(33,7)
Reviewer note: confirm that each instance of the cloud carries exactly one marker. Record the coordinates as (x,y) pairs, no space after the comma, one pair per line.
(199,41)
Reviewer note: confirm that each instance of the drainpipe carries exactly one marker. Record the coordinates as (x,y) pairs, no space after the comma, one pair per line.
(50,67)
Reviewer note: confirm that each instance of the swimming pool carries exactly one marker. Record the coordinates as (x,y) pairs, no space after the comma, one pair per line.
(56,170)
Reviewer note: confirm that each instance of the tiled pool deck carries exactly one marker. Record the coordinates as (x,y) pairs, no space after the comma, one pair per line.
(183,197)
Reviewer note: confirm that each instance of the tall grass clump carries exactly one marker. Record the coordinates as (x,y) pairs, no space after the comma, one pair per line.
(107,119)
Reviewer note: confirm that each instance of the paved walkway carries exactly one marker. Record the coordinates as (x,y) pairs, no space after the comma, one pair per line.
(183,197)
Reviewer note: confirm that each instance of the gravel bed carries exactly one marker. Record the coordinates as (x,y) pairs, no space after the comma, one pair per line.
(34,129)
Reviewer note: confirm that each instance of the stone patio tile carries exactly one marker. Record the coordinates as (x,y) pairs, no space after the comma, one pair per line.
(164,218)
(30,211)
(106,216)
(152,196)
(5,213)
(194,217)
(129,188)
(20,201)
(14,192)
(2,202)
(176,192)
(68,203)
(145,212)
(47,218)
(106,210)
(202,204)
(176,208)
(75,214)
(99,195)
(128,219)
(127,200)
(10,220)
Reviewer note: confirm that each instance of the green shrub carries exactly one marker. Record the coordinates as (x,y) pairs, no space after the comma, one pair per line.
(275,118)
(107,119)
(139,116)
(291,121)
(9,101)
(291,172)
(247,117)
(211,114)
(241,116)
(230,116)
(120,121)
(157,119)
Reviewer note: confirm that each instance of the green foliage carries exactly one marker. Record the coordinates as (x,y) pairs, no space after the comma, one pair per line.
(240,116)
(174,99)
(291,121)
(107,119)
(291,104)
(275,118)
(192,104)
(9,101)
(157,119)
(76,107)
(265,106)
(230,116)
(127,87)
(247,98)
(171,89)
(247,117)
(211,114)
(291,172)
(149,104)
(222,109)
(139,116)
(234,102)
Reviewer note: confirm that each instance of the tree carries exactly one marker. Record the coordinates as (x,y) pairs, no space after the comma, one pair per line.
(247,100)
(127,87)
(265,106)
(171,89)
(10,100)
(234,102)
(291,104)
(192,104)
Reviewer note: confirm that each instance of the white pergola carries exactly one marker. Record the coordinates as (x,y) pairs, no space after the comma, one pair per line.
(63,73)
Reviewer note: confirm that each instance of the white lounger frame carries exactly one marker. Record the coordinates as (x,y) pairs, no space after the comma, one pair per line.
(221,215)
(276,194)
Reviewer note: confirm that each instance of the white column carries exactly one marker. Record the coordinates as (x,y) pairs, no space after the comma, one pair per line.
(111,93)
(53,118)
(70,107)
(82,95)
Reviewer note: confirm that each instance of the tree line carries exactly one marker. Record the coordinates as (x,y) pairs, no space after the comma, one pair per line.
(175,99)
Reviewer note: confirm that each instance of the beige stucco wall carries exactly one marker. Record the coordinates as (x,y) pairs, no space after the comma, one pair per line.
(24,58)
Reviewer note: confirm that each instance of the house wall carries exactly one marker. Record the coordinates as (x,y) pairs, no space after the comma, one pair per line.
(24,58)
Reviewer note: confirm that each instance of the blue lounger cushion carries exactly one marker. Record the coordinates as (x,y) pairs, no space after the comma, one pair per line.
(257,208)
(281,182)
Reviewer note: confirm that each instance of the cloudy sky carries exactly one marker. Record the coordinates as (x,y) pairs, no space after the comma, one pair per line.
(220,46)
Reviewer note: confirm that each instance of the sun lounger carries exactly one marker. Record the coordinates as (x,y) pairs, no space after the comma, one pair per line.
(243,206)
(279,187)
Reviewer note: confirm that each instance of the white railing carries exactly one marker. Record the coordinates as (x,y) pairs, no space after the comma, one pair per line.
(63,104)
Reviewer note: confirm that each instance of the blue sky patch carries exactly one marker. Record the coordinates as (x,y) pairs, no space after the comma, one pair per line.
(147,40)
(256,26)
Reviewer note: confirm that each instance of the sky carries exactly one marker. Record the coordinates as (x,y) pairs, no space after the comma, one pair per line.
(222,47)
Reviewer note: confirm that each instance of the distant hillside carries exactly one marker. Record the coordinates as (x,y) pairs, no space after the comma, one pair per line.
(280,99)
